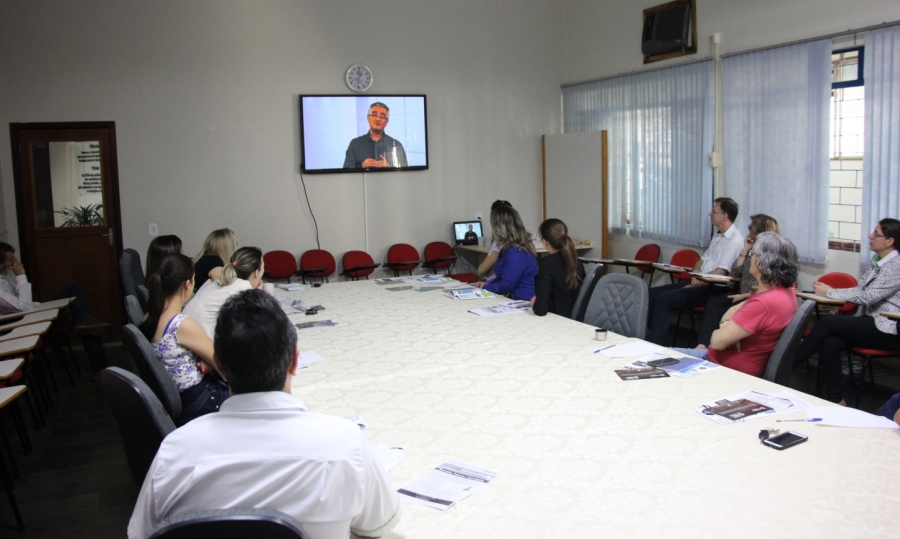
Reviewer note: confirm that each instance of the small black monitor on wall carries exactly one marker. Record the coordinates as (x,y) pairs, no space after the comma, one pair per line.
(371,133)
(669,30)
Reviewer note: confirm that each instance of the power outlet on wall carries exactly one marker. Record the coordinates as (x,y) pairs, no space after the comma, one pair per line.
(154,229)
(478,216)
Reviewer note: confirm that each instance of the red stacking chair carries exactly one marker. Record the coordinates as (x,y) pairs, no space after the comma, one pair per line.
(685,258)
(650,253)
(357,264)
(316,264)
(402,257)
(439,255)
(280,265)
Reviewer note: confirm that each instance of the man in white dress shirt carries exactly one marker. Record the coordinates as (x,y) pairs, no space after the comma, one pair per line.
(724,248)
(263,449)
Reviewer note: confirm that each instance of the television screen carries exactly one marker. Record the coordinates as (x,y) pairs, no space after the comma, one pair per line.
(461,228)
(349,133)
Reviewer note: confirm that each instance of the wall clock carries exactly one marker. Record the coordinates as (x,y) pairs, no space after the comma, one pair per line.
(359,78)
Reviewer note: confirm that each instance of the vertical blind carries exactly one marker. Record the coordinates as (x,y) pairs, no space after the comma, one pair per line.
(775,116)
(660,126)
(881,156)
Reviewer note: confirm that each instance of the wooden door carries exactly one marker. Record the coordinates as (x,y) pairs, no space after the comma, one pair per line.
(67,197)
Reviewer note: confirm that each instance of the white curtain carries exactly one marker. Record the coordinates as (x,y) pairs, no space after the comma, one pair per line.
(775,115)
(881,154)
(660,127)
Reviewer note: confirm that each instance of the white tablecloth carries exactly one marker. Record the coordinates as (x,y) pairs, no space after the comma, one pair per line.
(581,453)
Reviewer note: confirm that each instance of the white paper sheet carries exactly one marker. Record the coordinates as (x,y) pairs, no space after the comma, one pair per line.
(513,307)
(843,416)
(630,349)
(448,483)
(307,357)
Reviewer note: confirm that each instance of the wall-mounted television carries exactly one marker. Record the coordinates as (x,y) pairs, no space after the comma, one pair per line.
(372,133)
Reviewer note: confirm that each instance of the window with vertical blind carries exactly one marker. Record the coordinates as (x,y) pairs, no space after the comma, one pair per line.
(881,157)
(660,126)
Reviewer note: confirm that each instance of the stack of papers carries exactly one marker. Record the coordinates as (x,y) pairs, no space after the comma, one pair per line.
(315,324)
(389,456)
(290,287)
(750,405)
(843,416)
(447,484)
(292,306)
(307,357)
(687,367)
(469,293)
(513,307)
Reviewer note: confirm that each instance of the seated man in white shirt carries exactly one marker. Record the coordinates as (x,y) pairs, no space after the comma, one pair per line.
(15,297)
(263,449)
(724,248)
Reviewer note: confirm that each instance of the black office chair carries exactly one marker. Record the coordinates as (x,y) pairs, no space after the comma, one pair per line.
(152,372)
(238,523)
(143,422)
(781,361)
(133,311)
(143,296)
(620,303)
(131,271)
(584,293)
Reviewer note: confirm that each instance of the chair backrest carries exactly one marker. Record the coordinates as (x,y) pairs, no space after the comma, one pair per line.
(649,252)
(134,311)
(142,421)
(685,258)
(237,523)
(352,259)
(280,264)
(131,271)
(436,250)
(403,252)
(318,259)
(152,371)
(781,361)
(143,296)
(584,293)
(619,303)
(837,279)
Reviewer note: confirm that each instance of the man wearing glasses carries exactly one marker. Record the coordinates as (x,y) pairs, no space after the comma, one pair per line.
(376,149)
(724,248)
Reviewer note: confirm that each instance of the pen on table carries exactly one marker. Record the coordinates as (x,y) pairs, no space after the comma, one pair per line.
(811,420)
(597,351)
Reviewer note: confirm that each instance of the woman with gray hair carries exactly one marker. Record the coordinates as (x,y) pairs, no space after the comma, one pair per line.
(749,331)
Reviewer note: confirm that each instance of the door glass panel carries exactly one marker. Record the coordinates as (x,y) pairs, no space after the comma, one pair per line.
(68,184)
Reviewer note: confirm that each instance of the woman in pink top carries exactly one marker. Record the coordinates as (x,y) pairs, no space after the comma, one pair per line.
(749,331)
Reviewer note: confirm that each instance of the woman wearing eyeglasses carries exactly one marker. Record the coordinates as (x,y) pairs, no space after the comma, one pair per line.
(878,292)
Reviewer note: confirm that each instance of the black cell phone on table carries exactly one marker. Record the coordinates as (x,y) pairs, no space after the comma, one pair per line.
(785,440)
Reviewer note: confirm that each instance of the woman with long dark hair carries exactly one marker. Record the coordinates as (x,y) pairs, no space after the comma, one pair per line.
(878,292)
(243,272)
(516,266)
(158,249)
(559,273)
(180,343)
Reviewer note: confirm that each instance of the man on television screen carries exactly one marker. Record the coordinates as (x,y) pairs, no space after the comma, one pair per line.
(471,238)
(376,149)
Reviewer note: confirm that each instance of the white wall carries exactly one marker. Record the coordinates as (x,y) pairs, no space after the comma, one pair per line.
(204,96)
(603,37)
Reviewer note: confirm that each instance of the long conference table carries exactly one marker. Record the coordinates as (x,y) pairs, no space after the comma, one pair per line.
(581,453)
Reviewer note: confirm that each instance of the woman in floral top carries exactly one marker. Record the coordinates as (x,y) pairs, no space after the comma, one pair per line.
(180,343)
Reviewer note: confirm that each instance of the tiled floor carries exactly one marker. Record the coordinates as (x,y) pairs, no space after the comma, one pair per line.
(75,483)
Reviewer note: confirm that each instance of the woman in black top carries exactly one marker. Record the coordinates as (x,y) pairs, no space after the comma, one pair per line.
(559,273)
(218,247)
